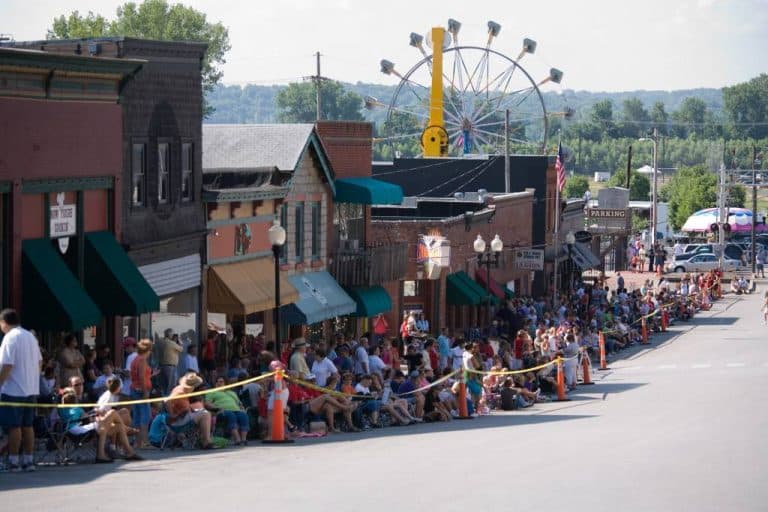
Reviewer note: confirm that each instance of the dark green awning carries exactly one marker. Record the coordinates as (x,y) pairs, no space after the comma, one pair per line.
(112,279)
(371,300)
(367,191)
(52,298)
(462,290)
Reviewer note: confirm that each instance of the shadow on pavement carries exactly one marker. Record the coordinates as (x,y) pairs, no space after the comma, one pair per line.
(612,387)
(715,320)
(496,420)
(162,462)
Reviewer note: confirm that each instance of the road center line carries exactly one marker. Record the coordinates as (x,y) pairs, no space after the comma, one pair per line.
(736,365)
(701,365)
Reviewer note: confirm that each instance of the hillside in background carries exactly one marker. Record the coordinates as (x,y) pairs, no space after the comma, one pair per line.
(256,103)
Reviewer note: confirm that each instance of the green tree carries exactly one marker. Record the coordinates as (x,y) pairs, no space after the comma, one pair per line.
(690,190)
(690,117)
(76,26)
(575,186)
(634,118)
(639,185)
(659,117)
(154,19)
(602,117)
(297,103)
(746,107)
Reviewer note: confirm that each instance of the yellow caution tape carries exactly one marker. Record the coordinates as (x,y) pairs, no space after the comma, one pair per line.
(142,401)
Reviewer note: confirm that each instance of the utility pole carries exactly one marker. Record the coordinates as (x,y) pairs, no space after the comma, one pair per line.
(317,79)
(507,177)
(722,217)
(654,217)
(755,163)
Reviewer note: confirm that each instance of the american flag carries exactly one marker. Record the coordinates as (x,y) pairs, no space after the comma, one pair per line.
(560,168)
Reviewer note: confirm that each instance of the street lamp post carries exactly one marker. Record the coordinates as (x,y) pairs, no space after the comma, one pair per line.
(654,183)
(488,256)
(570,239)
(276,235)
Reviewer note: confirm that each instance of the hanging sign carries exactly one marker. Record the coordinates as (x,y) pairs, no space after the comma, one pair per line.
(63,220)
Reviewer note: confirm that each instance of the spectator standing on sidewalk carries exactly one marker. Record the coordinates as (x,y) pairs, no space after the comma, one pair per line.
(20,361)
(760,263)
(168,352)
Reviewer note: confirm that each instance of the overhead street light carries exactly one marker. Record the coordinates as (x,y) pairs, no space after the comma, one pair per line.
(488,256)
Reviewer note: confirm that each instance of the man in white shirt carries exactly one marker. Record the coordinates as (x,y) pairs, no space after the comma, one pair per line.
(20,361)
(323,368)
(129,347)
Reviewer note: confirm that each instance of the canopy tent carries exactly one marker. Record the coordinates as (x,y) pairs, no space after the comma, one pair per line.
(740,220)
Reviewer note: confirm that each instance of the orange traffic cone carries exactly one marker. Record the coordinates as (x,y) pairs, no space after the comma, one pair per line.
(664,320)
(463,412)
(644,330)
(586,366)
(561,382)
(601,344)
(278,422)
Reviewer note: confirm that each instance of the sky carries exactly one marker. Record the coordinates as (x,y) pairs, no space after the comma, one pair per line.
(600,45)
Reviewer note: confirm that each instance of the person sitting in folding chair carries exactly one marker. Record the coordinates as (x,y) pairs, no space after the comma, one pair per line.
(105,425)
(181,414)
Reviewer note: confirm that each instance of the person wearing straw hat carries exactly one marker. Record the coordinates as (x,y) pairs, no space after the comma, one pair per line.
(298,360)
(181,413)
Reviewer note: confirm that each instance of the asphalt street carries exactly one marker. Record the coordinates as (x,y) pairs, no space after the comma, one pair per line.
(676,426)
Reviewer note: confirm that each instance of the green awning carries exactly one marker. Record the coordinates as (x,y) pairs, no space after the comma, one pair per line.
(462,290)
(320,298)
(371,300)
(52,298)
(112,279)
(367,191)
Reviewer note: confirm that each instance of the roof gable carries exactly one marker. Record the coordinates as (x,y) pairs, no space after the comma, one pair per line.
(260,147)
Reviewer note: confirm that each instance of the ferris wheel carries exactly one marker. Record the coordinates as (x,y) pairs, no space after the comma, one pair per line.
(461,100)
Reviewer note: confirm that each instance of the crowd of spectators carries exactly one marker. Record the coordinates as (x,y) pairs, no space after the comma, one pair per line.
(346,384)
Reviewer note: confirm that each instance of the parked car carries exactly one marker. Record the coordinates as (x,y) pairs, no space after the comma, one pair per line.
(703,263)
(731,250)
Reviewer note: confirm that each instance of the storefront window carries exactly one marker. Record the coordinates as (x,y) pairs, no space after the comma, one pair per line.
(178,313)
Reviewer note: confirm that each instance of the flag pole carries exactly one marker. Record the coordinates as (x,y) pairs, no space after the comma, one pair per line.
(555,280)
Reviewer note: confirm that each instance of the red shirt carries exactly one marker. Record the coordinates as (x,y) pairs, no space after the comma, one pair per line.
(518,348)
(433,358)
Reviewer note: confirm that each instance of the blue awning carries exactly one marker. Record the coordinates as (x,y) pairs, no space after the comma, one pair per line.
(320,298)
(367,191)
(371,300)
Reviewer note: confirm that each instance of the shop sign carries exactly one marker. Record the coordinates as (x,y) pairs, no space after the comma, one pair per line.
(434,252)
(63,220)
(529,259)
(613,218)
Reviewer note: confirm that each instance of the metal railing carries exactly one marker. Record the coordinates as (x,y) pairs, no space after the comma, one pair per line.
(369,266)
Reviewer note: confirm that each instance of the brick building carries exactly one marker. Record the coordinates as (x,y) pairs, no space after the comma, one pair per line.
(254,175)
(60,195)
(365,265)
(163,222)
(455,223)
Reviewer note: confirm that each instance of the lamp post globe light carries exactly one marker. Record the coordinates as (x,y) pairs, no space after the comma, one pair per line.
(570,239)
(488,256)
(276,236)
